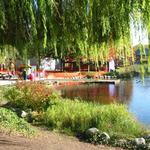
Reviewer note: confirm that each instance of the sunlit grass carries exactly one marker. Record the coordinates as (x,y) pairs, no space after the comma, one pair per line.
(76,117)
(11,123)
(2,91)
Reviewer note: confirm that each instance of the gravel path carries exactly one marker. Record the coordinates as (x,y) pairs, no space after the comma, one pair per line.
(7,82)
(47,141)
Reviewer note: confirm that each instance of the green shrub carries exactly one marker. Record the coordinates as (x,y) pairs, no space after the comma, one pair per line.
(76,117)
(10,122)
(112,74)
(2,91)
(29,95)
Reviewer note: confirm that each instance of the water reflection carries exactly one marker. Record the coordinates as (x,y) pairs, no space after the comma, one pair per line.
(132,92)
(102,93)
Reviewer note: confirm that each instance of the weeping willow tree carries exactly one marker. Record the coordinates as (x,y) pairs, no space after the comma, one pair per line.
(86,29)
(6,52)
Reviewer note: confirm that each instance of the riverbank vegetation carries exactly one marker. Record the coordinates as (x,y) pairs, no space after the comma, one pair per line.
(76,117)
(29,96)
(12,124)
(67,116)
(127,72)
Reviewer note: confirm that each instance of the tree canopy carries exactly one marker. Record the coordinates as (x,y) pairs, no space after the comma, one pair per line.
(77,28)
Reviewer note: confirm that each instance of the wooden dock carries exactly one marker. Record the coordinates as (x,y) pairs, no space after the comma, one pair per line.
(112,81)
(59,81)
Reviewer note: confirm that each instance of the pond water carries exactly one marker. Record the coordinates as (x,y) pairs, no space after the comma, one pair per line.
(134,93)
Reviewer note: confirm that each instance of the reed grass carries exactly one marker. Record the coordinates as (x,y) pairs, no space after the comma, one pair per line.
(76,117)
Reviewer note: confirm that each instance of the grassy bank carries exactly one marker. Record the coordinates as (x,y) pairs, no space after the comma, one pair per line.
(141,69)
(64,115)
(3,89)
(11,123)
(76,117)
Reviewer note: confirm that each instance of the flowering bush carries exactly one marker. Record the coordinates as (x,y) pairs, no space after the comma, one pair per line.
(29,95)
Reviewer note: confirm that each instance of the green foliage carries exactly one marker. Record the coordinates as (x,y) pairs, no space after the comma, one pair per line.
(132,70)
(2,15)
(76,117)
(11,123)
(25,95)
(113,74)
(6,52)
(2,89)
(92,29)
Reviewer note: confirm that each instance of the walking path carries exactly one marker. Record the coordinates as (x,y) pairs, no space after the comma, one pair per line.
(47,141)
(7,82)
